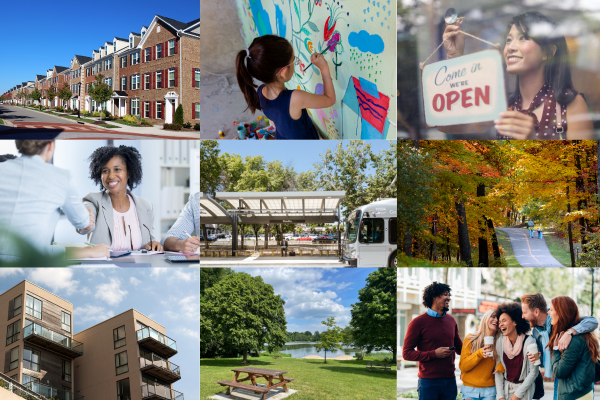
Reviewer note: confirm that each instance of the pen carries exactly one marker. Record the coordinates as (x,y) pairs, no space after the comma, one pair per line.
(90,244)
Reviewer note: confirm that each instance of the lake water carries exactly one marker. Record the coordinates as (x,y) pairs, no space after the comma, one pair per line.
(303,349)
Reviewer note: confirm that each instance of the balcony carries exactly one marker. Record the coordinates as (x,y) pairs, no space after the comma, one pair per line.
(157,342)
(160,392)
(53,341)
(160,368)
(52,393)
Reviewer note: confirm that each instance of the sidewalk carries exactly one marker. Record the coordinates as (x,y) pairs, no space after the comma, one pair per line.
(156,130)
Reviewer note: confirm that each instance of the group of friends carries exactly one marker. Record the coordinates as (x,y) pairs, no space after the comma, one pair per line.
(35,192)
(503,358)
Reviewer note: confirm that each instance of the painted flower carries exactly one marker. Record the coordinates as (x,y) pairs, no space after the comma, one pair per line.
(309,45)
(319,3)
(328,31)
(333,41)
(302,68)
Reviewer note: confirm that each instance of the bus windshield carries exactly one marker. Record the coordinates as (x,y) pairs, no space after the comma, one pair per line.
(352,226)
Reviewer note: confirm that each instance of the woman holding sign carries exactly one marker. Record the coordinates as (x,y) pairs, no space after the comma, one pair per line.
(574,367)
(478,360)
(544,104)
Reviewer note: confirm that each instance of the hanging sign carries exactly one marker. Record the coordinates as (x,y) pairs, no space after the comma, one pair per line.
(464,90)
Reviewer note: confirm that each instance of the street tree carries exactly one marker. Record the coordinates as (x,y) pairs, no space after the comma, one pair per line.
(51,93)
(36,95)
(211,172)
(373,320)
(65,94)
(99,91)
(242,313)
(331,339)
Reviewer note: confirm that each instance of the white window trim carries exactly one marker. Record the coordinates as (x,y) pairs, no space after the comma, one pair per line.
(169,44)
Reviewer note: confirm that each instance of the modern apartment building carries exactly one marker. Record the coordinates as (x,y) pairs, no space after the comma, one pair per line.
(125,357)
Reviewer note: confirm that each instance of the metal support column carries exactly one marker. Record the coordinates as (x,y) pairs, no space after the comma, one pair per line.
(234,232)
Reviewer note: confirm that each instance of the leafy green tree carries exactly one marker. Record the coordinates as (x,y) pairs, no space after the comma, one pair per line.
(210,166)
(36,96)
(374,316)
(210,276)
(243,313)
(65,94)
(99,91)
(331,339)
(179,115)
(51,93)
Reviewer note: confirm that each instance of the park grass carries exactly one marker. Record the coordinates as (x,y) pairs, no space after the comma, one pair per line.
(509,256)
(313,379)
(1,121)
(559,248)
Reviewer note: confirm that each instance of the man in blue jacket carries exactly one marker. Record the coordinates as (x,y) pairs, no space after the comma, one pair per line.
(535,310)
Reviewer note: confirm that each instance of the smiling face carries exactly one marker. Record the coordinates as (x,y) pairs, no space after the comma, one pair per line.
(506,324)
(530,315)
(115,176)
(522,55)
(492,325)
(553,314)
(442,302)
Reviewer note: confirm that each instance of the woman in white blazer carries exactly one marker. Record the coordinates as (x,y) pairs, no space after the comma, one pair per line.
(124,221)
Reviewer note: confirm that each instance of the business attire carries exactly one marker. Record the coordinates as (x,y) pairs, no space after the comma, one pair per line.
(131,230)
(33,193)
(517,375)
(187,222)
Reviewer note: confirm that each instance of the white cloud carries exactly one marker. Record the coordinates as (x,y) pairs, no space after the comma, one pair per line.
(189,332)
(90,313)
(174,274)
(111,292)
(6,272)
(134,281)
(188,308)
(179,275)
(57,279)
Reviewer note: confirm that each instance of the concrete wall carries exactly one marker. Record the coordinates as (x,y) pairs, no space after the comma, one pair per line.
(362,65)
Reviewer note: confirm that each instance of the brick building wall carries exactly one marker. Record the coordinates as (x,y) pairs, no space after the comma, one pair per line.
(190,58)
(128,72)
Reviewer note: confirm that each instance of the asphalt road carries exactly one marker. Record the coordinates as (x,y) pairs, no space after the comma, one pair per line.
(25,115)
(530,252)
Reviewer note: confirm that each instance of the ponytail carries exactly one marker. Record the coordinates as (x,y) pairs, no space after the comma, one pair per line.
(262,61)
(246,83)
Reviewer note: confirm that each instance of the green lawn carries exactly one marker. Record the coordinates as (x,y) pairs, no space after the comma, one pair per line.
(509,256)
(91,121)
(1,121)
(559,247)
(313,379)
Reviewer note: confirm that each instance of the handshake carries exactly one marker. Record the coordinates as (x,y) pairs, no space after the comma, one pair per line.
(92,220)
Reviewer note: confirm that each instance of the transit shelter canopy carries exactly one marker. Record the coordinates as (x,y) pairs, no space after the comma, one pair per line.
(212,212)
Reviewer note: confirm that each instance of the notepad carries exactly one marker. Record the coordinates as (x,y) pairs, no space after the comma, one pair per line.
(89,259)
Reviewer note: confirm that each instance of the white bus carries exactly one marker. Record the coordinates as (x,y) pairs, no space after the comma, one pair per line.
(372,235)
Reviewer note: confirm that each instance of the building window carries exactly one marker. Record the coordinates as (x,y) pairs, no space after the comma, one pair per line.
(135,58)
(114,47)
(159,80)
(31,359)
(123,391)
(109,63)
(124,83)
(14,358)
(135,82)
(158,110)
(131,43)
(18,302)
(12,332)
(34,307)
(123,62)
(119,336)
(197,111)
(171,47)
(197,77)
(146,109)
(87,87)
(172,77)
(147,55)
(121,363)
(28,378)
(147,81)
(159,50)
(66,322)
(135,106)
(66,371)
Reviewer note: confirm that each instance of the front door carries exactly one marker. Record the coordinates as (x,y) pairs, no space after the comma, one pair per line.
(173,111)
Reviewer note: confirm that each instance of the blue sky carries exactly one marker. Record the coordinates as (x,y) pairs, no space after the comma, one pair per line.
(101,293)
(302,154)
(41,35)
(314,294)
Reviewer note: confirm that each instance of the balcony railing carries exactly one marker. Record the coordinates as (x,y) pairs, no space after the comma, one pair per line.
(53,341)
(18,389)
(161,368)
(157,342)
(52,393)
(160,392)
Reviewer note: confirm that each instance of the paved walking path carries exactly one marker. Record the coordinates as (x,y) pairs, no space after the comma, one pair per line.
(530,252)
(34,124)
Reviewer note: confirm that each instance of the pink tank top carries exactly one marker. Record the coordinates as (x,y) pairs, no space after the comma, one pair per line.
(127,234)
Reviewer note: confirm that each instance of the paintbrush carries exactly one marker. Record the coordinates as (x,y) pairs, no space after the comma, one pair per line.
(322,53)
(331,45)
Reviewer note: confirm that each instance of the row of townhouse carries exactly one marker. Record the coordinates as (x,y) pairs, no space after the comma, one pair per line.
(13,95)
(150,72)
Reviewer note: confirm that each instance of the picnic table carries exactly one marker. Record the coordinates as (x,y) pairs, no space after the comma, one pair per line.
(253,374)
(385,367)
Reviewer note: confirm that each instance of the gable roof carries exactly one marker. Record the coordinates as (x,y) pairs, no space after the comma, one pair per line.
(83,59)
(178,25)
(124,40)
(40,77)
(60,69)
(135,34)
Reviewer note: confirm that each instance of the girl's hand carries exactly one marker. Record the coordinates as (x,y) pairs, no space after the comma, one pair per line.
(318,60)
(516,125)
(154,246)
(454,42)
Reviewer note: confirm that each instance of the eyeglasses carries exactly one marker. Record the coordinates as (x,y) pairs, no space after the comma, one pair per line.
(296,62)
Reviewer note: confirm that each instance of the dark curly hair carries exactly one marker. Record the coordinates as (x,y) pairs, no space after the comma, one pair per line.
(130,155)
(432,291)
(515,313)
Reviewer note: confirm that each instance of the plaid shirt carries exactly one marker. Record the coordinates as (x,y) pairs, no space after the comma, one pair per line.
(188,221)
